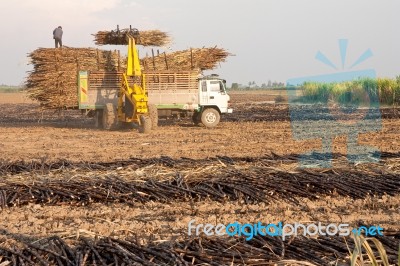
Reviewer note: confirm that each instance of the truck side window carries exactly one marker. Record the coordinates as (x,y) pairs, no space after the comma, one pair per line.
(204,86)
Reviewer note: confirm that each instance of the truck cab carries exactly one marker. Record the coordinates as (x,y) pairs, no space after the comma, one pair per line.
(213,101)
(213,93)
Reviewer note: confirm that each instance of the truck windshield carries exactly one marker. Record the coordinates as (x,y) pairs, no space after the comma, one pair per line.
(223,84)
(217,86)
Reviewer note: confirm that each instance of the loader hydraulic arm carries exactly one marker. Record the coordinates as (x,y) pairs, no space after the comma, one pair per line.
(133,86)
(133,63)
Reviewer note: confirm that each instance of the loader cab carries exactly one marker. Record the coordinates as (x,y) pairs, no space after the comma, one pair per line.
(213,93)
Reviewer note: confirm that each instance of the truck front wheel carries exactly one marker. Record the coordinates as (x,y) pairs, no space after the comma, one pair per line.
(210,117)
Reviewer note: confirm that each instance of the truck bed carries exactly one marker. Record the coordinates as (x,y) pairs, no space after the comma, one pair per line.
(172,90)
(167,89)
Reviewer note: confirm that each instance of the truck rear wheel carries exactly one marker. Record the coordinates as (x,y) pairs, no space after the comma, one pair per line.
(210,117)
(145,124)
(110,117)
(98,116)
(196,118)
(153,112)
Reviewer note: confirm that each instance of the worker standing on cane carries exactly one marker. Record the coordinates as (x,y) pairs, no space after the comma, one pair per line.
(57,36)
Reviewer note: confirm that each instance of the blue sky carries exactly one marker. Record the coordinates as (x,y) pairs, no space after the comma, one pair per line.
(272,39)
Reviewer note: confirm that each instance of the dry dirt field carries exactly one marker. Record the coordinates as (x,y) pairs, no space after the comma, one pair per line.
(250,159)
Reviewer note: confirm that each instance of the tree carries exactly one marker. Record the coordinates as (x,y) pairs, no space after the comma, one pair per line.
(235,86)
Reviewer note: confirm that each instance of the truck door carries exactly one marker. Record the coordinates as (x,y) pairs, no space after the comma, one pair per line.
(203,93)
(215,94)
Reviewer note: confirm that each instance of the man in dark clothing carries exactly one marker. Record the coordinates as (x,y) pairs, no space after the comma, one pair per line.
(57,36)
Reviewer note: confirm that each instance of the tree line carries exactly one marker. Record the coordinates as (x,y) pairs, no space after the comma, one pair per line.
(254,85)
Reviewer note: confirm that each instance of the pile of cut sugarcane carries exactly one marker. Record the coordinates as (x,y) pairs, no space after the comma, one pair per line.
(191,59)
(146,38)
(196,58)
(166,179)
(52,81)
(202,250)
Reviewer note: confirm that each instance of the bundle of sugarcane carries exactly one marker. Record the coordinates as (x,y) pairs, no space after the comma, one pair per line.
(195,58)
(145,38)
(52,81)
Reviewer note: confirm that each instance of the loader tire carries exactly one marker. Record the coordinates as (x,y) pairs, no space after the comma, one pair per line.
(153,112)
(125,125)
(145,126)
(210,117)
(110,117)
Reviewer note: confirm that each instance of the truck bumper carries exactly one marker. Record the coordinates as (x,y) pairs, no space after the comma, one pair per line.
(230,111)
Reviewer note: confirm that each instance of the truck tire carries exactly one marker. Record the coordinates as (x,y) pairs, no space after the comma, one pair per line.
(196,118)
(210,117)
(145,126)
(153,112)
(98,116)
(110,117)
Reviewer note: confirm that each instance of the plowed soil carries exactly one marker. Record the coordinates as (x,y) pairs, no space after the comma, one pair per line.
(256,128)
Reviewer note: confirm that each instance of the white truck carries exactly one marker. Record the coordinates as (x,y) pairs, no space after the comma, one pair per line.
(169,94)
